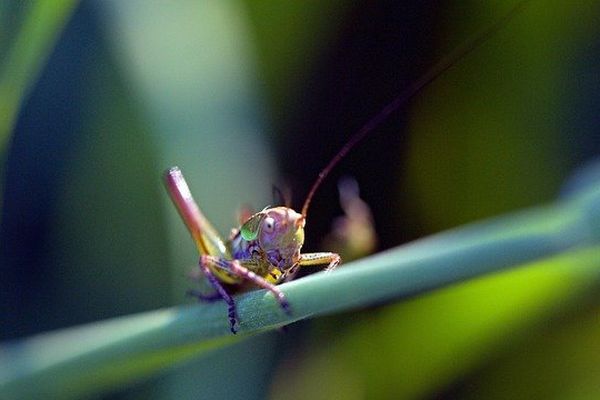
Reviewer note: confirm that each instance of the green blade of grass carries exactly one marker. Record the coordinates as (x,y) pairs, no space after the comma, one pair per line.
(25,54)
(97,356)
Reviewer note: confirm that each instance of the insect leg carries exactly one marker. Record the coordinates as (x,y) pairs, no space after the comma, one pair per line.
(205,236)
(196,275)
(241,268)
(205,261)
(332,259)
(258,280)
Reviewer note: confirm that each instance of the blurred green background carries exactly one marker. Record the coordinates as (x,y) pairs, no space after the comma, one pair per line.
(99,97)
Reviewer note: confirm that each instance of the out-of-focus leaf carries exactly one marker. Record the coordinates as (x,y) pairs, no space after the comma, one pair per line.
(24,49)
(561,360)
(500,142)
(290,37)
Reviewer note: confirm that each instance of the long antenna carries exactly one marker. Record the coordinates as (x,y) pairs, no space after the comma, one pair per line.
(431,75)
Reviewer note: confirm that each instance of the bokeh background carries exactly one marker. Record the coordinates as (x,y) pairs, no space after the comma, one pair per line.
(246,94)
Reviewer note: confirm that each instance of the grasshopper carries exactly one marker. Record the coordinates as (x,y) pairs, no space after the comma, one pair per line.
(266,249)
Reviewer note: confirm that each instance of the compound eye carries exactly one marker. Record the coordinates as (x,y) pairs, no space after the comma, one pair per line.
(269,225)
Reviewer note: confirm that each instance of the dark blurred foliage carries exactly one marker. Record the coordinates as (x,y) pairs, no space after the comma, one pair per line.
(379,51)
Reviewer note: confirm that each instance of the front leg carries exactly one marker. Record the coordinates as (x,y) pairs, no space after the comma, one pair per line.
(331,259)
(309,259)
(240,268)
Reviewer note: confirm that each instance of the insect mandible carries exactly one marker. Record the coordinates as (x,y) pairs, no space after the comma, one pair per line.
(266,249)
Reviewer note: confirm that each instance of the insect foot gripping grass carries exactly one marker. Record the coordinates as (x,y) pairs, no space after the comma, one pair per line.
(265,250)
